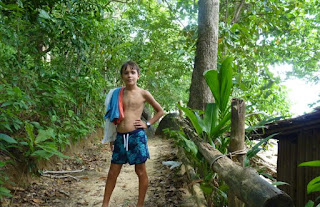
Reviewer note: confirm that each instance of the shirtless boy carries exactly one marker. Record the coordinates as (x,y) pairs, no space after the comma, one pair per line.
(130,145)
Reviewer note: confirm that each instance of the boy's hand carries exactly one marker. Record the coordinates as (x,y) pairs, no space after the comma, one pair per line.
(111,146)
(140,124)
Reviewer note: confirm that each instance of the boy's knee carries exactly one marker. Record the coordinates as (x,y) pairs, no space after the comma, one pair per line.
(141,172)
(113,174)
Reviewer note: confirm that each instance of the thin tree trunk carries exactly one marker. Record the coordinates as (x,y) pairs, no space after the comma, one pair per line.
(206,53)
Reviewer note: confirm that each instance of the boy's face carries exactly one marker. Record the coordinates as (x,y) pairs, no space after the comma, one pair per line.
(130,76)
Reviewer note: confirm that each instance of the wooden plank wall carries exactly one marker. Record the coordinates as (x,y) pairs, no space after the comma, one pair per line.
(287,160)
(293,150)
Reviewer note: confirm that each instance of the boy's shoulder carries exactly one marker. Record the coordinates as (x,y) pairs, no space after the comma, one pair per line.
(144,92)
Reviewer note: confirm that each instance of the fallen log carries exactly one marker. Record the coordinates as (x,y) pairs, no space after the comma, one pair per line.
(245,183)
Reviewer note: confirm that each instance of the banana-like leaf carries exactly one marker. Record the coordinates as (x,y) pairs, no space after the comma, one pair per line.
(314,185)
(194,120)
(211,118)
(315,163)
(226,83)
(222,124)
(212,79)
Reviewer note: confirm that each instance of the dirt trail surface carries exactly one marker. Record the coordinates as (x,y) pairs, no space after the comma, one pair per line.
(86,188)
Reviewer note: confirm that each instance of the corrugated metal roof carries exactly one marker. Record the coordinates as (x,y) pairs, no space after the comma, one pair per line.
(290,126)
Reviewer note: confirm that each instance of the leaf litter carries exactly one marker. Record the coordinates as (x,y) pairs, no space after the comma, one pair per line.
(166,186)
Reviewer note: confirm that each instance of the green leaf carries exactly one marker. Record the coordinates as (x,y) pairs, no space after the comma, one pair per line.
(7,138)
(44,135)
(53,150)
(212,79)
(309,204)
(29,129)
(314,185)
(4,192)
(42,154)
(315,163)
(43,14)
(255,149)
(222,126)
(191,146)
(278,183)
(70,113)
(206,188)
(210,118)
(193,119)
(226,82)
(234,27)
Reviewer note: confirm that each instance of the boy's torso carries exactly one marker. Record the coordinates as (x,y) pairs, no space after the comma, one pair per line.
(133,103)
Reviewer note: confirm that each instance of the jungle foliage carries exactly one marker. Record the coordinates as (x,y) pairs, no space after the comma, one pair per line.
(58,59)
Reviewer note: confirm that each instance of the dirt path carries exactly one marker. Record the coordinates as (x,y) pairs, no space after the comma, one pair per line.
(166,187)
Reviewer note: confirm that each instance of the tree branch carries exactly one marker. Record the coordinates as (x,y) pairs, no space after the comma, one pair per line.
(237,12)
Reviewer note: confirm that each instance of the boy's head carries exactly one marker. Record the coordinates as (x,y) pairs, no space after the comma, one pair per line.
(132,65)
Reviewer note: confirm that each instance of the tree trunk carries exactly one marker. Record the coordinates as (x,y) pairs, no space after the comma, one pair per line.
(206,53)
(245,183)
(237,140)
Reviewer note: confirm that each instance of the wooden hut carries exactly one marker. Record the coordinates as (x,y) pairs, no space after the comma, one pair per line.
(298,141)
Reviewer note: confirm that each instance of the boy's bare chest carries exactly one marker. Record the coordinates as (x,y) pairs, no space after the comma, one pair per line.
(133,100)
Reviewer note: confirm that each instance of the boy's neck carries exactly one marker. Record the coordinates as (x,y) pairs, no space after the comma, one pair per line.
(131,88)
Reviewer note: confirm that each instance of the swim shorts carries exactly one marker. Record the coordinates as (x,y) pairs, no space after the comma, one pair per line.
(130,148)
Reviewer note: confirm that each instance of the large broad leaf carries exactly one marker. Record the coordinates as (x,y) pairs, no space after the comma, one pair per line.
(226,83)
(7,138)
(314,185)
(315,163)
(52,150)
(44,135)
(211,118)
(42,154)
(222,126)
(190,146)
(212,79)
(193,118)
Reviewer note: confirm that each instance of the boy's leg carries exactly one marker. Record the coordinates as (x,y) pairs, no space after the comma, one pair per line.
(143,182)
(111,182)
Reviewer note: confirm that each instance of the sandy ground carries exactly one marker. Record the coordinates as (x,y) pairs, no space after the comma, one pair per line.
(166,187)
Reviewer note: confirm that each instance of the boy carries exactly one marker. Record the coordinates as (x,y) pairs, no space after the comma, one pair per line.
(131,142)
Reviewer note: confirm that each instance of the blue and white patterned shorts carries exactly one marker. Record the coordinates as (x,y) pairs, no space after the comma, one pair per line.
(130,148)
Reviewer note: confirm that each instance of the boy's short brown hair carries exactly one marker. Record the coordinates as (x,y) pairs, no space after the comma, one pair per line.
(132,64)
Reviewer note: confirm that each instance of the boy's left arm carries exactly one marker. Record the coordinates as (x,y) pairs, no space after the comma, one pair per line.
(156,106)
